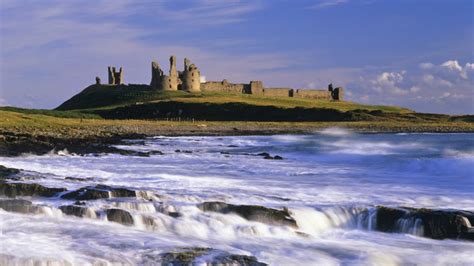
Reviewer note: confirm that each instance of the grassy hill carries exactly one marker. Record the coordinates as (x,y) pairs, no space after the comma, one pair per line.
(109,96)
(141,102)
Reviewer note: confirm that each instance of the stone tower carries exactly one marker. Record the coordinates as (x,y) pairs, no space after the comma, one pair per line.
(338,94)
(115,78)
(162,82)
(156,76)
(191,77)
(173,77)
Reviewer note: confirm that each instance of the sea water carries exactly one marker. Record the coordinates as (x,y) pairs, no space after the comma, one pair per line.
(325,180)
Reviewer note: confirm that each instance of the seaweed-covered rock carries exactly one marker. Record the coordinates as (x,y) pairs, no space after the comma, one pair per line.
(205,256)
(436,224)
(119,216)
(98,192)
(17,205)
(5,172)
(183,151)
(78,179)
(267,156)
(27,189)
(252,212)
(77,210)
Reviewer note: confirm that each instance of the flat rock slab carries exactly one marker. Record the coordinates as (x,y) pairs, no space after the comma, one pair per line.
(78,210)
(98,192)
(27,189)
(252,213)
(437,224)
(119,216)
(5,172)
(17,205)
(201,256)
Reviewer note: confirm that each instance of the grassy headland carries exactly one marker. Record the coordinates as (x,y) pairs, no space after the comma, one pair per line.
(101,115)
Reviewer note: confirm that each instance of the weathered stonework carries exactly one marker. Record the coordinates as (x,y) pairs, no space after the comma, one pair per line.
(115,78)
(190,80)
(338,94)
(256,87)
(156,75)
(173,77)
(223,86)
(191,77)
(278,92)
(313,94)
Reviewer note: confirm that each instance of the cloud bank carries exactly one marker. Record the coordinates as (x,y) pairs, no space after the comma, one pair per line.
(52,49)
(428,87)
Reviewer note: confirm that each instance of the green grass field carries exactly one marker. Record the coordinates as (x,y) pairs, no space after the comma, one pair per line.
(135,109)
(46,125)
(107,97)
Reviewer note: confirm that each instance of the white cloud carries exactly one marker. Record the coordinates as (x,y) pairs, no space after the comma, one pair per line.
(426,65)
(467,71)
(428,78)
(328,3)
(388,82)
(446,87)
(452,65)
(415,89)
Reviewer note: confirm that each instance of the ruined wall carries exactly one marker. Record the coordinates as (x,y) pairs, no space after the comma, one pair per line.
(156,76)
(255,87)
(223,86)
(115,77)
(280,92)
(313,94)
(190,80)
(338,94)
(191,77)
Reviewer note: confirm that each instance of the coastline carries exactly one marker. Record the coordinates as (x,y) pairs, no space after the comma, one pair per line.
(96,136)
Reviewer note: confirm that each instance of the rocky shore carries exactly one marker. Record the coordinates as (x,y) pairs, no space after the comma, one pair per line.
(138,204)
(423,222)
(84,139)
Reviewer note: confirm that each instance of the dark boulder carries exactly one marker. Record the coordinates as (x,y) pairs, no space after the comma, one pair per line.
(119,216)
(78,179)
(5,172)
(436,224)
(183,151)
(17,205)
(27,189)
(76,210)
(208,256)
(267,156)
(252,213)
(98,192)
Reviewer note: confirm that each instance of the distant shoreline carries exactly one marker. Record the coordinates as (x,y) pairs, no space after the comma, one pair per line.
(40,134)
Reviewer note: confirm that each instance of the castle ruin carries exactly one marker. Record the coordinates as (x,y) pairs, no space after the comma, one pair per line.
(115,78)
(190,80)
(187,80)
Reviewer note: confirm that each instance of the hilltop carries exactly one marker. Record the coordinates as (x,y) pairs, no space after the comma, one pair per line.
(181,95)
(142,102)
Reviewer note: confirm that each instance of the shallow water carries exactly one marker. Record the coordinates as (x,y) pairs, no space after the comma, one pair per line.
(325,179)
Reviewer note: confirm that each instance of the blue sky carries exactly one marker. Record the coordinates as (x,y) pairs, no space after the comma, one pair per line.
(417,54)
